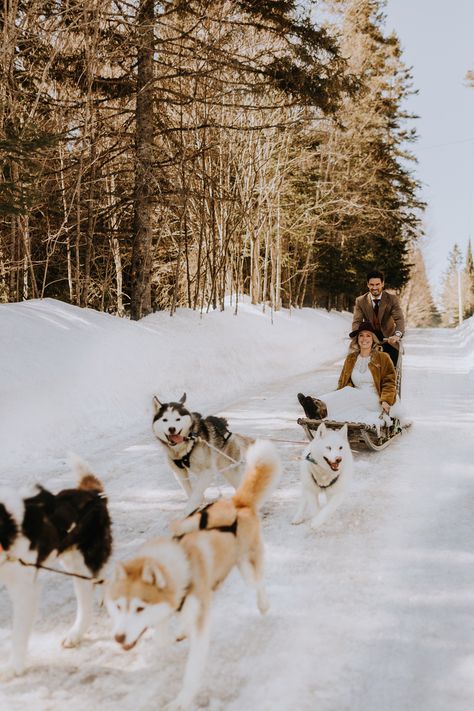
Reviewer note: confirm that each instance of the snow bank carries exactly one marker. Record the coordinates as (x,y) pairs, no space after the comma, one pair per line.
(69,375)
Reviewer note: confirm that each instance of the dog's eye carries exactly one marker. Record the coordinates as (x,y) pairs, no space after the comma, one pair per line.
(165,419)
(139,609)
(341,447)
(178,419)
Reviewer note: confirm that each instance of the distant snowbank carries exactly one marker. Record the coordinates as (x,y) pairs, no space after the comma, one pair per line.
(69,374)
(465,337)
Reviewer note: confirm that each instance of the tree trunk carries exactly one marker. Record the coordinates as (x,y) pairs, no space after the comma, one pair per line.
(140,292)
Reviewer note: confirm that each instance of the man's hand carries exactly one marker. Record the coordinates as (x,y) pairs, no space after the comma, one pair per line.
(393,339)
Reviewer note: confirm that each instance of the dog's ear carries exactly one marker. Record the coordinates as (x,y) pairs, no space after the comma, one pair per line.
(152,574)
(182,398)
(343,430)
(119,573)
(321,431)
(156,403)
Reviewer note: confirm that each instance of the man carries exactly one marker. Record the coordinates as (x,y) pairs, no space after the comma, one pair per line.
(383,310)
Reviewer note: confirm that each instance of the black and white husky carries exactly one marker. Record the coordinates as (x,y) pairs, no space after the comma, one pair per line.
(198,447)
(72,526)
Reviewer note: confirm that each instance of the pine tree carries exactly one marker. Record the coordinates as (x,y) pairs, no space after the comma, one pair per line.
(416,298)
(365,208)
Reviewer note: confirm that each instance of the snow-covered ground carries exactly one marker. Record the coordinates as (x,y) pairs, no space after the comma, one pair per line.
(375,612)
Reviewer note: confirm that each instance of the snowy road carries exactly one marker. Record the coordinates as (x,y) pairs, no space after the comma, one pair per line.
(375,612)
(379,605)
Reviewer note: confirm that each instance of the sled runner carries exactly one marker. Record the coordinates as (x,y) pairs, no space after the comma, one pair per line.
(360,435)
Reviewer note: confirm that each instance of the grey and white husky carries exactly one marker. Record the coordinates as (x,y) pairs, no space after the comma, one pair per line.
(326,472)
(198,447)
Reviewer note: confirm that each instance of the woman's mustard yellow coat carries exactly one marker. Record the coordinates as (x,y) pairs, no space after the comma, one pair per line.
(383,373)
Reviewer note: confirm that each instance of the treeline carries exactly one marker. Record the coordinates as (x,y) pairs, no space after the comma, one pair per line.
(156,155)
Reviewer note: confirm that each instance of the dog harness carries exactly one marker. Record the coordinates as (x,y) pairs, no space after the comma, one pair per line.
(203,521)
(231,528)
(321,486)
(185,462)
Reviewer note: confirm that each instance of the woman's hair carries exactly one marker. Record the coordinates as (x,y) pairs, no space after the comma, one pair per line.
(355,348)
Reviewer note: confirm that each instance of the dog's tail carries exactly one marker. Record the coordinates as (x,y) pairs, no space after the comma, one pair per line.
(87,480)
(261,476)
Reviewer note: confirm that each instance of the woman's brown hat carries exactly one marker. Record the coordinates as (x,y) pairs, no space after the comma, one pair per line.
(364,326)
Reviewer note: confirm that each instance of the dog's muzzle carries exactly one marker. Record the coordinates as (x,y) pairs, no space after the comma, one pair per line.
(335,464)
(175,438)
(120,638)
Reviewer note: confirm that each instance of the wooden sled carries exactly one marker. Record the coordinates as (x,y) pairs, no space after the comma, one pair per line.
(361,436)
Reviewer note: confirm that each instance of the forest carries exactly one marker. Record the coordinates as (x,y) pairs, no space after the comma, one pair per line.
(157,155)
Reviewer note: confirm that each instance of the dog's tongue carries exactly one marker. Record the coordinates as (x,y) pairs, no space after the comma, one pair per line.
(176,438)
(334,466)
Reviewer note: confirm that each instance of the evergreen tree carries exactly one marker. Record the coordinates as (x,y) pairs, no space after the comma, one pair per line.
(416,298)
(359,193)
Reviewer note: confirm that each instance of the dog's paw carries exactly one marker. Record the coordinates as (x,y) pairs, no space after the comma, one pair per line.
(297,520)
(72,639)
(316,524)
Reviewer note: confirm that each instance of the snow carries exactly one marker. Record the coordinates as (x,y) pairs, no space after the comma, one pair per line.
(71,374)
(372,613)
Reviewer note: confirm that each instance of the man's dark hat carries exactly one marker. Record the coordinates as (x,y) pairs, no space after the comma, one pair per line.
(364,326)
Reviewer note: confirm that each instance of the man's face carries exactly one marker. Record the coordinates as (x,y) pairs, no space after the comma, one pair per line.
(375,287)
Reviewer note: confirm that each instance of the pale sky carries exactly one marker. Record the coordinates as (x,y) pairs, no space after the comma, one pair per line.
(438,42)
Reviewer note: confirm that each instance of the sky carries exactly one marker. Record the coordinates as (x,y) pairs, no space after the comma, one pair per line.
(438,43)
(371,612)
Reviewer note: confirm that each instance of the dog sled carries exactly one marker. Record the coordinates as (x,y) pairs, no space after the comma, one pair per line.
(360,434)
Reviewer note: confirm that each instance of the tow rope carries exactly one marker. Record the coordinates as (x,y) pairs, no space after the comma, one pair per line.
(13,559)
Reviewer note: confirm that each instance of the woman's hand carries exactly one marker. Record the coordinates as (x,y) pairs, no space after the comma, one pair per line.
(386,407)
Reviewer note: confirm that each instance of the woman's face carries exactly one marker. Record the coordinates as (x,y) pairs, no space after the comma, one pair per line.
(365,339)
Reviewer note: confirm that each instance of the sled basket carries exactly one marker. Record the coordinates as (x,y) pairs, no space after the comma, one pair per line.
(361,435)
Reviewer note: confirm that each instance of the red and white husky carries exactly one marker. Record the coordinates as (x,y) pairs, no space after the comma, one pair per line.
(177,576)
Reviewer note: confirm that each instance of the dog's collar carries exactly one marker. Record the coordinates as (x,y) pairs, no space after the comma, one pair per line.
(309,458)
(324,486)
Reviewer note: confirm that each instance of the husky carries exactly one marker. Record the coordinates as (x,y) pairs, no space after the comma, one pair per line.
(198,447)
(72,526)
(326,469)
(174,578)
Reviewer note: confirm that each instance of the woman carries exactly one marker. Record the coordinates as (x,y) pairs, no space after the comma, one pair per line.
(367,384)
